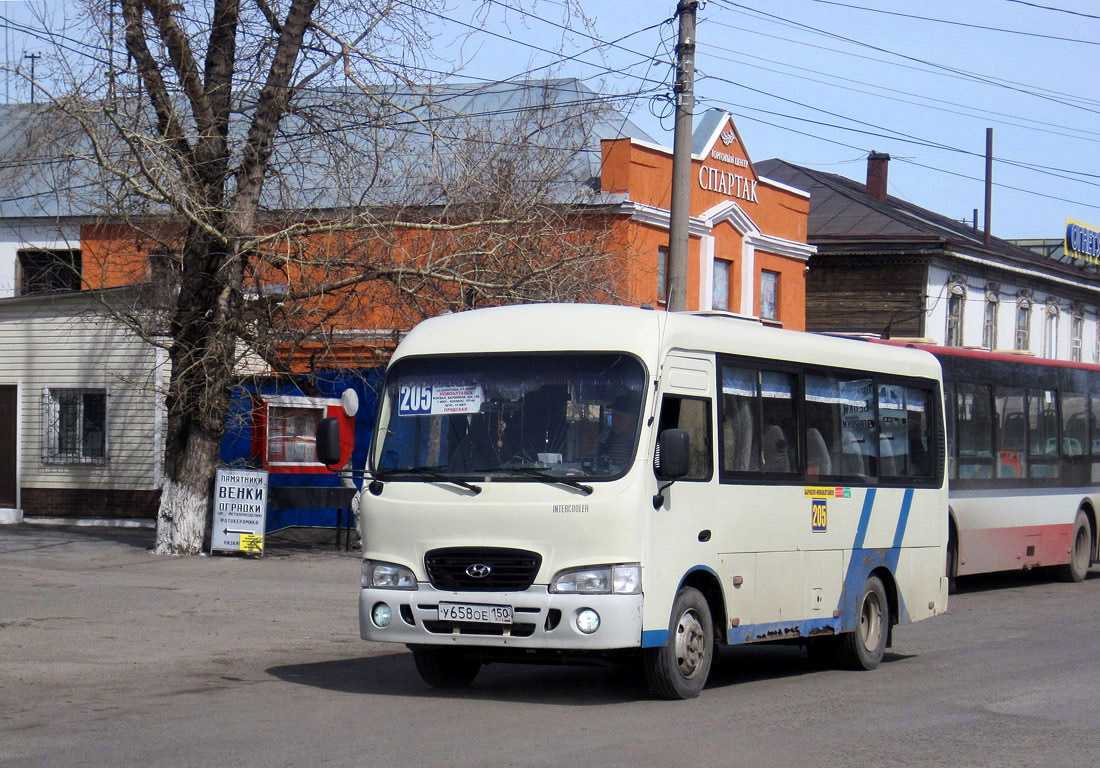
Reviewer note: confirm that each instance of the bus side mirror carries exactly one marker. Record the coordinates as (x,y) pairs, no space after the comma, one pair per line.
(675,454)
(328,441)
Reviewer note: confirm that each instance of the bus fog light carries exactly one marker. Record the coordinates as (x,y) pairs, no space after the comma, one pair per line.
(381,615)
(588,621)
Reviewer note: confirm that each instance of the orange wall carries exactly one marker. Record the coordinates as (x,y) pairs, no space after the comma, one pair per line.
(644,174)
(116,255)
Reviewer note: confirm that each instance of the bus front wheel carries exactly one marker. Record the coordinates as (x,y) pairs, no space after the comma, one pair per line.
(679,668)
(864,647)
(445,667)
(1080,554)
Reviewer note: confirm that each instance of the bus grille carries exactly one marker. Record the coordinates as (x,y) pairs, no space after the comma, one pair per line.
(510,570)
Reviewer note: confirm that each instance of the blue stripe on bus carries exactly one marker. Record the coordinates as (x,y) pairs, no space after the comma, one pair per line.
(903,520)
(864,518)
(863,561)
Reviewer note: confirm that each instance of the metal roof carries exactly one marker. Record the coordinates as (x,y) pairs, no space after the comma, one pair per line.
(348,148)
(844,218)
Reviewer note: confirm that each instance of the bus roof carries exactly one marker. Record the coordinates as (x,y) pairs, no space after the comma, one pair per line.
(645,332)
(985,354)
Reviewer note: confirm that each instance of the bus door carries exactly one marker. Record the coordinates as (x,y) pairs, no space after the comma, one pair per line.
(760,500)
(681,537)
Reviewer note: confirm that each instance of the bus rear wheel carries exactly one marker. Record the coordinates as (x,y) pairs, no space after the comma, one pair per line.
(864,647)
(445,667)
(679,668)
(1080,554)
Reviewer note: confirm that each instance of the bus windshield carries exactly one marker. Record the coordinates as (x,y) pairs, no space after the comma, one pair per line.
(516,417)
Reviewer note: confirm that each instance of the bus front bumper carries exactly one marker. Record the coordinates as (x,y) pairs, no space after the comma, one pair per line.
(539,619)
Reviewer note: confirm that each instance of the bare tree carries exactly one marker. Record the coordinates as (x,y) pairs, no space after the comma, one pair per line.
(289,180)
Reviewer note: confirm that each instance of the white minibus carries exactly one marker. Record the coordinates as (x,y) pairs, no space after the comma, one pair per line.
(587,483)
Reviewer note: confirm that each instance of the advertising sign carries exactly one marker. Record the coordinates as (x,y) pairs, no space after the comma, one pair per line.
(240,511)
(1082,241)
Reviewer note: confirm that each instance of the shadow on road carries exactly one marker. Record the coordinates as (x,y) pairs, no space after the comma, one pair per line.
(395,675)
(26,537)
(989,582)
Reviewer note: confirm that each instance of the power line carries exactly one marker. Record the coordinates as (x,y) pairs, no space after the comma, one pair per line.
(1052,8)
(958,23)
(751,63)
(968,75)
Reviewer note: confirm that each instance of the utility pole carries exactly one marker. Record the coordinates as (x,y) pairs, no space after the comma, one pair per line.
(988,183)
(679,212)
(33,57)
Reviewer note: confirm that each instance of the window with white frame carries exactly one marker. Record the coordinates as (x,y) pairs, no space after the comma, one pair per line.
(721,294)
(75,421)
(989,323)
(956,303)
(1050,331)
(769,295)
(1023,324)
(1077,335)
(292,433)
(1096,352)
(662,274)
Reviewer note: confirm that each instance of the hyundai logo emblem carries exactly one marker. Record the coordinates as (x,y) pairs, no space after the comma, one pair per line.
(478,571)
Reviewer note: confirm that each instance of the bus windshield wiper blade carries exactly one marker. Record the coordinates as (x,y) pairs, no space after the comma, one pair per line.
(542,474)
(429,475)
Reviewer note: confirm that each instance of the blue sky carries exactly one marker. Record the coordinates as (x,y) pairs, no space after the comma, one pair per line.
(822,82)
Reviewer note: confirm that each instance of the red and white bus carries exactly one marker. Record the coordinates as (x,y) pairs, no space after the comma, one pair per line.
(1023,461)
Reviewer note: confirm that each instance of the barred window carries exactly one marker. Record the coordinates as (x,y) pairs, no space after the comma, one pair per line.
(75,426)
(45,271)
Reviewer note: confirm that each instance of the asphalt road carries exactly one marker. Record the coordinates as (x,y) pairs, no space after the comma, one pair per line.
(111,656)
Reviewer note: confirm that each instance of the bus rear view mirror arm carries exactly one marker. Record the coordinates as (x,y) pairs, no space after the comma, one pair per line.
(673,460)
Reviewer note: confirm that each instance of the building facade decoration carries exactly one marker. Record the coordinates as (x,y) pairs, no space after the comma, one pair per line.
(888,267)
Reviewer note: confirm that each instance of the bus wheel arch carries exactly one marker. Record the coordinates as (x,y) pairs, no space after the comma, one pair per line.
(1081,546)
(707,582)
(863,647)
(1090,512)
(952,565)
(679,668)
(893,601)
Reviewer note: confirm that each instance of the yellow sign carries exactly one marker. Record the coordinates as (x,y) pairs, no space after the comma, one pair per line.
(252,543)
(827,493)
(819,516)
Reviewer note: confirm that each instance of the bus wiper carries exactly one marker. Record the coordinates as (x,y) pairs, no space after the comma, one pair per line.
(546,476)
(429,476)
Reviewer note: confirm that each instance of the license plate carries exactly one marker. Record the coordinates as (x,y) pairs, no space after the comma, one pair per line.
(480,614)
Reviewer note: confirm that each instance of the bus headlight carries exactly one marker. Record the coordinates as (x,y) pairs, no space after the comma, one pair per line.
(386,576)
(599,580)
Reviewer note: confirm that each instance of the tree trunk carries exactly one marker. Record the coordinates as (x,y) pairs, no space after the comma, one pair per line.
(184,499)
(205,332)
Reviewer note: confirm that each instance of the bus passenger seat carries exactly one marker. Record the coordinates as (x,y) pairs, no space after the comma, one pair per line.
(817,454)
(775,450)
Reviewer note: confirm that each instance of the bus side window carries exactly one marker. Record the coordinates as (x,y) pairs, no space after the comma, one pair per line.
(1012,442)
(842,412)
(1075,425)
(973,420)
(693,416)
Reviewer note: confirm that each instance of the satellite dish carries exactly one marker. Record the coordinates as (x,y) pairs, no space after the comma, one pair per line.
(350,402)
